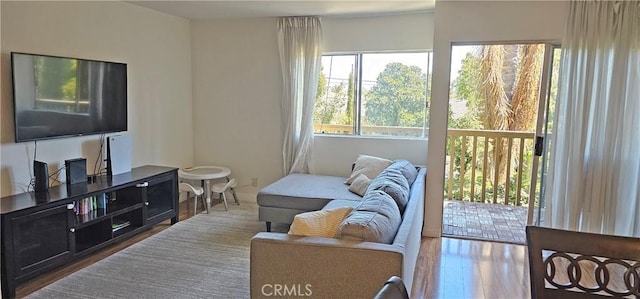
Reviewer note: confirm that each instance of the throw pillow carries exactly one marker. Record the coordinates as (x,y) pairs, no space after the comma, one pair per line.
(360,184)
(369,166)
(322,223)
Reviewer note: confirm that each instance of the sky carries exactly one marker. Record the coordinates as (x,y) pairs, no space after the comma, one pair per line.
(373,64)
(338,67)
(457,54)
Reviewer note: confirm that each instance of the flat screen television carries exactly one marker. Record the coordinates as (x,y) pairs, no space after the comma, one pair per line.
(61,97)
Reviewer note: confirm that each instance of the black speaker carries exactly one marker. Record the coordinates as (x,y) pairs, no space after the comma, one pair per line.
(41,173)
(76,170)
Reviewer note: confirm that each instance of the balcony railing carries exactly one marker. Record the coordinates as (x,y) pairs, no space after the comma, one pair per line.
(489,166)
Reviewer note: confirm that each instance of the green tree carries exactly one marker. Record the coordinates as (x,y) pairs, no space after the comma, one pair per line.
(69,89)
(398,97)
(350,93)
(326,107)
(322,85)
(466,88)
(320,95)
(56,78)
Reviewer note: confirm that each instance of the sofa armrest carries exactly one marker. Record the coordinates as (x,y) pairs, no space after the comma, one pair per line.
(284,265)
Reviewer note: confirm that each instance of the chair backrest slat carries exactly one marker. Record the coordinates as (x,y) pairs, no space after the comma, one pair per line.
(569,264)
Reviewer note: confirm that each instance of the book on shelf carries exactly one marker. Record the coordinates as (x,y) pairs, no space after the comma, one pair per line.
(102,201)
(119,224)
(91,203)
(89,215)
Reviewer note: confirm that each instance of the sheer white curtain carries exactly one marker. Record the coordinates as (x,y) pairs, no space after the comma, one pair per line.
(299,40)
(594,180)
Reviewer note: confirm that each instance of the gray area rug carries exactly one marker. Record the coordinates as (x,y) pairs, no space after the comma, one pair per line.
(205,256)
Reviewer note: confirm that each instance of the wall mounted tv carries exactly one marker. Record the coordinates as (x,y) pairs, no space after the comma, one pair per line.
(62,97)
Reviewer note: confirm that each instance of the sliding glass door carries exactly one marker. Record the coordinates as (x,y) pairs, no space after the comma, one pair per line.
(546,132)
(497,114)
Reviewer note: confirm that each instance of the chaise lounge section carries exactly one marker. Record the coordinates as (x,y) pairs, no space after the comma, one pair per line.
(297,193)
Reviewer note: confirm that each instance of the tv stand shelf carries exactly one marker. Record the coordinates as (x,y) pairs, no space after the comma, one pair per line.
(41,231)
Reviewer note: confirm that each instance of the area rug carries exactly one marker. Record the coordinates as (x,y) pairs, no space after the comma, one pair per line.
(205,256)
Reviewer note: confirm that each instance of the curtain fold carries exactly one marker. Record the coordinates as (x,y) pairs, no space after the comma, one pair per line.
(299,41)
(594,176)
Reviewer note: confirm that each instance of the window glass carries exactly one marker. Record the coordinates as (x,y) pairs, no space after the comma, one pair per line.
(394,94)
(333,111)
(374,94)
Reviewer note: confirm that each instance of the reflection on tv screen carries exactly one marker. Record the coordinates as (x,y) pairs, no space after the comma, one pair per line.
(57,96)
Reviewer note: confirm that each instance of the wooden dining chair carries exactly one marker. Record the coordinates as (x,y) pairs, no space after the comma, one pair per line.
(569,264)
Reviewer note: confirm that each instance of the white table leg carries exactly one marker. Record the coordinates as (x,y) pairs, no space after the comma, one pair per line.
(207,190)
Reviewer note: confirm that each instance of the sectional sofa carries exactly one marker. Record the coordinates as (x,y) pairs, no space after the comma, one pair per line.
(379,238)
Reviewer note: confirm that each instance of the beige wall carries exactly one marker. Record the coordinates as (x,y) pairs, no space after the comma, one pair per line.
(237,86)
(475,21)
(409,31)
(156,48)
(334,155)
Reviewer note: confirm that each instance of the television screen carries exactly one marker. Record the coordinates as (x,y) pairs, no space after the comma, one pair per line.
(60,97)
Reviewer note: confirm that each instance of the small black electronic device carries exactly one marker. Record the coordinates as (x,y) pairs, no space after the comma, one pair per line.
(41,173)
(76,170)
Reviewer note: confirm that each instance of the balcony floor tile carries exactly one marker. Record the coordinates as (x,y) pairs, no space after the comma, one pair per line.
(484,221)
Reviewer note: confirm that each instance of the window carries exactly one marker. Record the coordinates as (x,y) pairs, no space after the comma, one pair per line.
(374,94)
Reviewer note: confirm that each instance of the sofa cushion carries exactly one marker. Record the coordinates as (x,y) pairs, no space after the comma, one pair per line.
(369,166)
(376,219)
(394,183)
(360,184)
(304,192)
(408,170)
(322,223)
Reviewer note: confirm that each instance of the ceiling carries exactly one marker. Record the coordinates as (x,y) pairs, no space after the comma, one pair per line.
(211,10)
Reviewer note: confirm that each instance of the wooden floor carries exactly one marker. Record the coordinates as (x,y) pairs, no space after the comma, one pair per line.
(458,268)
(446,267)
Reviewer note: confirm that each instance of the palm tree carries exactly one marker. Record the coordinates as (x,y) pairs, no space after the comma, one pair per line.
(524,103)
(497,109)
(510,80)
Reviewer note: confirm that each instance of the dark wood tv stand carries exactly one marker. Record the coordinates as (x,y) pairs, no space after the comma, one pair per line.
(41,231)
